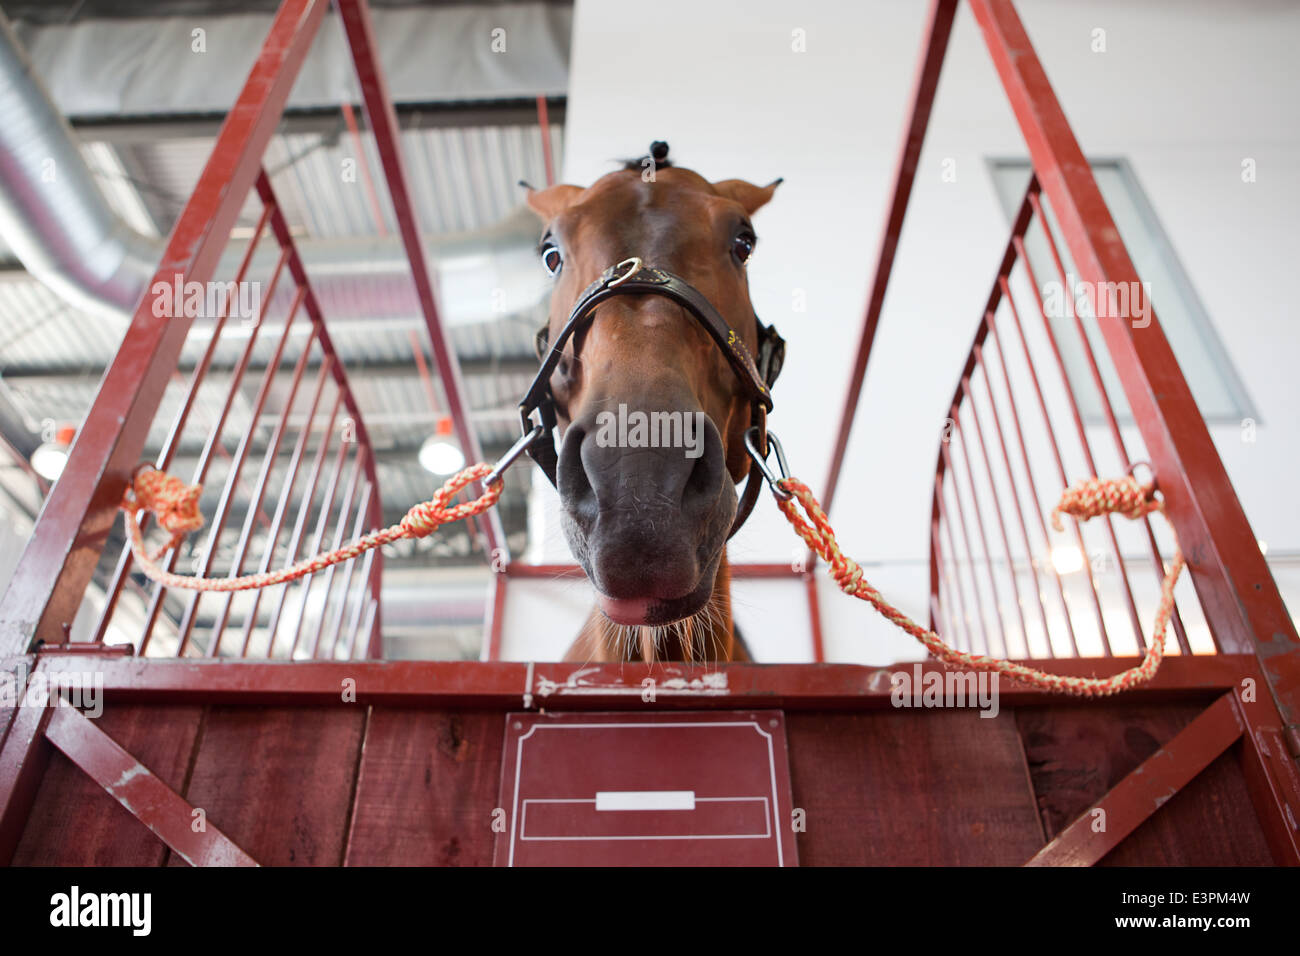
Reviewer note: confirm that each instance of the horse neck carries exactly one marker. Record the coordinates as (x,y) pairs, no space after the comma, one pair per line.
(708,637)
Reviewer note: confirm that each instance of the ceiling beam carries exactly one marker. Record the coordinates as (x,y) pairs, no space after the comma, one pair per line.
(323,122)
(61,374)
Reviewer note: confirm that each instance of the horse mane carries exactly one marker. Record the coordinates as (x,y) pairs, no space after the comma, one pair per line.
(658,153)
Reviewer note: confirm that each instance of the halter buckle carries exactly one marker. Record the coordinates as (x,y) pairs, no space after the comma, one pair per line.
(634,262)
(773,479)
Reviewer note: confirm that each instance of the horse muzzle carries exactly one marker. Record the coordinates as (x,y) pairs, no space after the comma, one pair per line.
(645,516)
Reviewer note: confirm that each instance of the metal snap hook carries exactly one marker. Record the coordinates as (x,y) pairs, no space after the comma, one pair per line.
(515,450)
(772,478)
(1132,473)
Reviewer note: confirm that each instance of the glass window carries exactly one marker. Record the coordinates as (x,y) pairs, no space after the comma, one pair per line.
(1215,384)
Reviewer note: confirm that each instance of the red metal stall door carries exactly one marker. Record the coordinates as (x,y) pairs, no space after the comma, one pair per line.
(620,789)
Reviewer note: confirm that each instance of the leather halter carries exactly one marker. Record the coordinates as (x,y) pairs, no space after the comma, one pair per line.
(632,277)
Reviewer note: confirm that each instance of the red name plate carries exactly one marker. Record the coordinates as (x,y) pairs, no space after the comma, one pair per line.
(667,789)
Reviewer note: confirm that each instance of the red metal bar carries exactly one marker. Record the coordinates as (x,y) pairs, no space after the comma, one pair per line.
(22,462)
(954,587)
(562,686)
(543,120)
(217,523)
(376,567)
(997,502)
(358,528)
(177,430)
(815,618)
(340,529)
(300,520)
(426,379)
(934,45)
(372,195)
(970,553)
(1135,798)
(1018,502)
(143,795)
(1272,779)
(259,490)
(213,444)
(1056,455)
(970,562)
(1108,410)
(322,522)
(312,308)
(941,621)
(944,464)
(355,15)
(1085,446)
(1239,597)
(496,615)
(1035,507)
(23,758)
(50,579)
(355,624)
(286,495)
(375,649)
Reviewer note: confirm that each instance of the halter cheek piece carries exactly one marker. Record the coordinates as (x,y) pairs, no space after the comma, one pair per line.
(632,277)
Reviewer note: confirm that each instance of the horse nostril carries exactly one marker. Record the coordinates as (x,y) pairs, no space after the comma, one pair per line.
(572,480)
(702,485)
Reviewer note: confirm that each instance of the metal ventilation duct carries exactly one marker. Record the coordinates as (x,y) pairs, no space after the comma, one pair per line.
(52,213)
(59,225)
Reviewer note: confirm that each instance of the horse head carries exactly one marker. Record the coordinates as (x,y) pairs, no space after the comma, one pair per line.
(651,407)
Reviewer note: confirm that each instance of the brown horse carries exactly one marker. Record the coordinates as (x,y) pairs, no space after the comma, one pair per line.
(648,520)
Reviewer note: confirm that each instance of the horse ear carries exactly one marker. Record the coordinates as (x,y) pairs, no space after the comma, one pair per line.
(752,197)
(553,200)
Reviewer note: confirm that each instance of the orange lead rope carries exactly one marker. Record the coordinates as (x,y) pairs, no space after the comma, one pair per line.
(1083,500)
(176,505)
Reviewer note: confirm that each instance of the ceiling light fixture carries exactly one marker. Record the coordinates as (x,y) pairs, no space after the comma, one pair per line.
(440,454)
(50,457)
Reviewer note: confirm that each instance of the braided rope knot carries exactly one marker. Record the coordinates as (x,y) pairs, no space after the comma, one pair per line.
(1090,497)
(425,518)
(422,520)
(174,503)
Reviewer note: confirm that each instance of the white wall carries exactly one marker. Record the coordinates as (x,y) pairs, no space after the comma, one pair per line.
(1183,92)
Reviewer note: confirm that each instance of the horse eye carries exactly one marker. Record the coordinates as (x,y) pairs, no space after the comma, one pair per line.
(551,258)
(742,247)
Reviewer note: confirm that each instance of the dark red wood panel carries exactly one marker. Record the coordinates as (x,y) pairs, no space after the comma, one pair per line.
(279,780)
(75,823)
(1077,752)
(1210,822)
(911,788)
(427,788)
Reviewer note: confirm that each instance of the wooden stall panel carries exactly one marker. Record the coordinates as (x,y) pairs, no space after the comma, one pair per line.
(74,822)
(279,780)
(427,788)
(911,788)
(1077,752)
(1210,822)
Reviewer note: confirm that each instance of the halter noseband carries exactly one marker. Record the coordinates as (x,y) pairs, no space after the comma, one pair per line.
(632,277)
